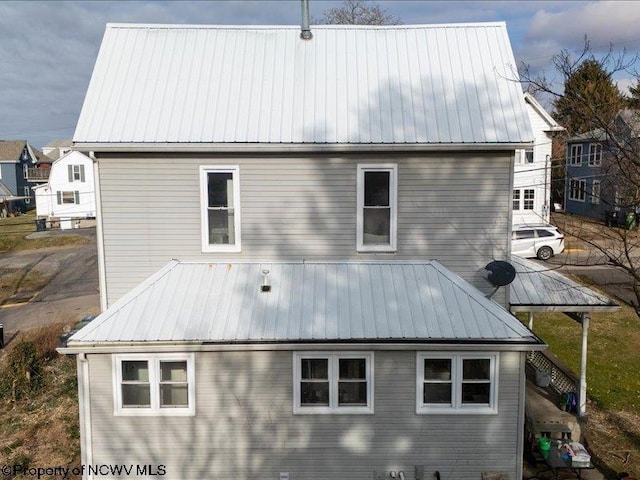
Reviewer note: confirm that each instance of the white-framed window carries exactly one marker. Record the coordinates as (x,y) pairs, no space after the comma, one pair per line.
(575,156)
(457,383)
(528,155)
(595,154)
(332,382)
(25,170)
(75,173)
(220,208)
(595,192)
(529,197)
(577,190)
(516,199)
(153,384)
(377,204)
(68,197)
(27,194)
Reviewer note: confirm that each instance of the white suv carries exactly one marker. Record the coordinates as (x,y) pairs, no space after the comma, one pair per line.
(542,242)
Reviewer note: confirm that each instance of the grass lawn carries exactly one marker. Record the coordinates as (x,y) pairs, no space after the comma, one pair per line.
(14,230)
(613,381)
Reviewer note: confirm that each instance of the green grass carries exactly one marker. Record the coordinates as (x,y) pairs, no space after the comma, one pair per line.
(14,230)
(613,355)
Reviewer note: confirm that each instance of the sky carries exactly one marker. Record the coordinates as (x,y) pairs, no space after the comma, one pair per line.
(48,48)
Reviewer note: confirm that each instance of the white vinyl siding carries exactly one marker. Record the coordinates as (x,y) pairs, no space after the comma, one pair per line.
(245,427)
(296,207)
(220,208)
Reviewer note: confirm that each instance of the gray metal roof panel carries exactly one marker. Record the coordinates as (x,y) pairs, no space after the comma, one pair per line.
(349,301)
(412,84)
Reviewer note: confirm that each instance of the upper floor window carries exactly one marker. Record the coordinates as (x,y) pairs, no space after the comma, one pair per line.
(220,209)
(456,383)
(595,154)
(377,208)
(528,155)
(25,170)
(575,156)
(154,384)
(337,382)
(577,190)
(76,173)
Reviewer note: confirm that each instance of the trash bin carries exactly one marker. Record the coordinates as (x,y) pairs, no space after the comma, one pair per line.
(611,219)
(630,221)
(41,224)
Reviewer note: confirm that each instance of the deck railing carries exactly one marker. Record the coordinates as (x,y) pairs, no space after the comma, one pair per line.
(38,174)
(561,378)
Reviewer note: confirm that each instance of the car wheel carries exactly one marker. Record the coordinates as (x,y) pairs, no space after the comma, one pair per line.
(544,253)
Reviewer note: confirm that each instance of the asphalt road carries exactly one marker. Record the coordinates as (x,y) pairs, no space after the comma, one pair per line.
(70,295)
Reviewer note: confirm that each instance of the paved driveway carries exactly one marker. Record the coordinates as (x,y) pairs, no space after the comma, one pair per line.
(72,292)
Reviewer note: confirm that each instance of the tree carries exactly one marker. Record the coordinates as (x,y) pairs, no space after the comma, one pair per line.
(358,12)
(633,101)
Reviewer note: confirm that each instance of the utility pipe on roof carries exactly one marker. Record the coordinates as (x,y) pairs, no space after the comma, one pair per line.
(305,34)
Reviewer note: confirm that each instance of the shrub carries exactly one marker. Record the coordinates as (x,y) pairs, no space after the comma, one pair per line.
(23,371)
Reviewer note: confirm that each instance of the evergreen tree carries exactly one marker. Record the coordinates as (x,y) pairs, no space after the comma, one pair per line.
(633,101)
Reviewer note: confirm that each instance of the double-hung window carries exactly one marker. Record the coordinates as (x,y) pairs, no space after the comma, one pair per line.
(64,198)
(529,198)
(595,154)
(575,157)
(154,384)
(456,383)
(220,208)
(75,173)
(577,190)
(27,194)
(377,208)
(516,199)
(336,382)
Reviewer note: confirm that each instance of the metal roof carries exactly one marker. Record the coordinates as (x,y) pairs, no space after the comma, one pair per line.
(308,302)
(541,288)
(410,84)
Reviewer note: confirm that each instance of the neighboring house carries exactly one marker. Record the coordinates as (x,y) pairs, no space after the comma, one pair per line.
(21,168)
(303,187)
(532,178)
(595,187)
(70,192)
(57,148)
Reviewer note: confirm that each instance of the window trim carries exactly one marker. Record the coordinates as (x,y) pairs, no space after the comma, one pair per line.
(515,202)
(333,373)
(204,218)
(595,154)
(27,194)
(581,187)
(575,155)
(392,168)
(154,385)
(532,200)
(457,407)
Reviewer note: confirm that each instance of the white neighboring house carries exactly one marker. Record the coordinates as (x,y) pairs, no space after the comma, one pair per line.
(70,192)
(532,171)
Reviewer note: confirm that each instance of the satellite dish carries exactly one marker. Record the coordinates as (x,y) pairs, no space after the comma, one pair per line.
(500,273)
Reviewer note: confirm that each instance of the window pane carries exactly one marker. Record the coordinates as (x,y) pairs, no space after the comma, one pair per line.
(220,189)
(376,189)
(314,393)
(439,393)
(173,371)
(476,369)
(221,227)
(315,368)
(353,368)
(524,234)
(136,395)
(475,393)
(352,393)
(437,369)
(174,395)
(68,197)
(135,371)
(377,226)
(545,233)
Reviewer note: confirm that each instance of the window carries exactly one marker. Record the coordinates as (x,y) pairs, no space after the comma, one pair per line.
(516,199)
(575,157)
(523,234)
(25,170)
(220,209)
(456,383)
(333,382)
(377,208)
(529,197)
(576,190)
(595,155)
(156,384)
(27,194)
(68,197)
(75,173)
(528,155)
(595,192)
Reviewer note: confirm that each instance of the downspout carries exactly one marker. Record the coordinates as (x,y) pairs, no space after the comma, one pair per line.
(86,452)
(545,207)
(305,34)
(582,408)
(102,272)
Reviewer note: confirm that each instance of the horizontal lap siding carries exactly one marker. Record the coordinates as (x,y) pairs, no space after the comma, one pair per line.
(244,427)
(453,208)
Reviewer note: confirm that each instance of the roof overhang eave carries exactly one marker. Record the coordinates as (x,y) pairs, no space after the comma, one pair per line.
(565,308)
(295,147)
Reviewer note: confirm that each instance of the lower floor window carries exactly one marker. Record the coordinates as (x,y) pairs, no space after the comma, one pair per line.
(68,197)
(577,190)
(333,382)
(157,384)
(456,383)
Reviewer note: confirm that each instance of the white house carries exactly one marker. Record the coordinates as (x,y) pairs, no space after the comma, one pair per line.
(292,241)
(532,171)
(70,192)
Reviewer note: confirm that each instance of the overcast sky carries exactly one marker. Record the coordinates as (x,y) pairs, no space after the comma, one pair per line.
(47,49)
